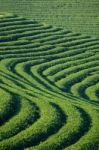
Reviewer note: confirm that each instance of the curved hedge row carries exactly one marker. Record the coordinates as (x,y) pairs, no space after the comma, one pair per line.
(49,85)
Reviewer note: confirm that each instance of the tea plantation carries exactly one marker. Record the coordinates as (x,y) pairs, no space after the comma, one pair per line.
(49,78)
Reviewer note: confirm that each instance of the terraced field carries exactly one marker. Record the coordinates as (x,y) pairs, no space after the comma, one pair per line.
(49,87)
(80,16)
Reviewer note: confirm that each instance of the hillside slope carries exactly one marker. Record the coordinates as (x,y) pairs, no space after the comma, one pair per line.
(49,87)
(80,16)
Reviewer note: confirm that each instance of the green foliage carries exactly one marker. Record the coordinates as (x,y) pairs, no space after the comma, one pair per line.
(49,90)
(80,16)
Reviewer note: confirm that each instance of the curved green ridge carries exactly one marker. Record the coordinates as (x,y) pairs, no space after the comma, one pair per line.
(49,84)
